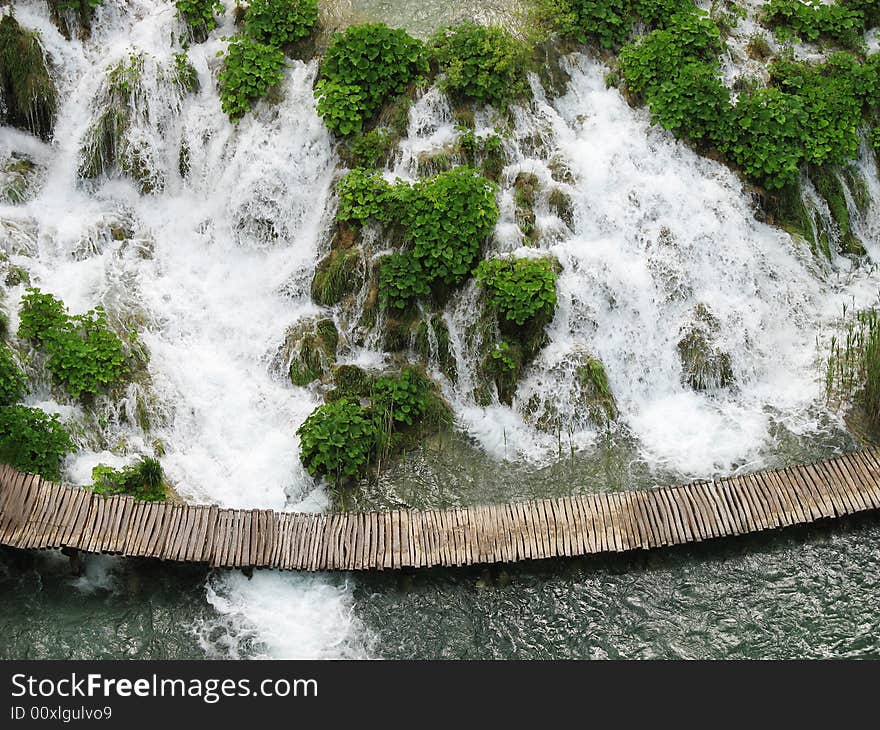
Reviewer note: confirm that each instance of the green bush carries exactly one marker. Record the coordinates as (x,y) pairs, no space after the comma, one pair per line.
(250,70)
(337,440)
(813,19)
(401,400)
(481,63)
(519,289)
(280,22)
(13,382)
(605,22)
(364,195)
(143,480)
(200,16)
(33,441)
(368,149)
(693,104)
(83,354)
(449,217)
(767,137)
(364,67)
(401,279)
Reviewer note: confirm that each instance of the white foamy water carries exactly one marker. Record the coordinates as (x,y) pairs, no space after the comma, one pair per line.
(213,271)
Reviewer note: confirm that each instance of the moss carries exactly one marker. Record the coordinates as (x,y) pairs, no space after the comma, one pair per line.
(339,273)
(71,15)
(858,188)
(829,184)
(398,330)
(594,392)
(312,350)
(27,90)
(429,164)
(786,209)
(351,382)
(758,48)
(525,191)
(504,363)
(561,205)
(17,180)
(432,343)
(704,366)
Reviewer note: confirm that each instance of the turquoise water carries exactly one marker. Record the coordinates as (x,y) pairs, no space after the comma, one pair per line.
(807,592)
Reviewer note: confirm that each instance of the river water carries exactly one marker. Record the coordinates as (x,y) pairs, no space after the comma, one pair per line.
(216,266)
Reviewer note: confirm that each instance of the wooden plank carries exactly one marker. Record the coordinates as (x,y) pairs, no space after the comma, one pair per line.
(862,497)
(870,490)
(818,507)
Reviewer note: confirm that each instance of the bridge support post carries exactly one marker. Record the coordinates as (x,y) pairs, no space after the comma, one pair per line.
(248,571)
(76,566)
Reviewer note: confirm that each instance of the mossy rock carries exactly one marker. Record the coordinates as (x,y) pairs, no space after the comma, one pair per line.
(589,398)
(432,344)
(704,366)
(351,382)
(504,363)
(561,206)
(339,273)
(312,350)
(830,185)
(18,180)
(72,15)
(27,93)
(525,192)
(431,163)
(786,209)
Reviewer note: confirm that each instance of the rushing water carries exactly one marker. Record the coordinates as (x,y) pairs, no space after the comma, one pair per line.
(214,268)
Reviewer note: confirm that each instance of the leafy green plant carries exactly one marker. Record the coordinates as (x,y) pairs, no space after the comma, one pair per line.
(401,279)
(83,353)
(200,16)
(250,70)
(369,148)
(813,19)
(33,441)
(502,357)
(520,290)
(767,137)
(144,480)
(364,195)
(363,68)
(13,382)
(337,440)
(607,23)
(280,22)
(449,217)
(401,400)
(485,64)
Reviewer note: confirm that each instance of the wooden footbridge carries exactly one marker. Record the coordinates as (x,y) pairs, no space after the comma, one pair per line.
(37,514)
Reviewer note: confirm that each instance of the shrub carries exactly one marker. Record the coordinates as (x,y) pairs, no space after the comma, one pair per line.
(605,22)
(337,439)
(813,19)
(484,64)
(364,195)
(83,354)
(13,382)
(364,67)
(33,441)
(250,70)
(200,16)
(368,149)
(401,400)
(449,217)
(519,289)
(143,480)
(280,22)
(767,137)
(693,104)
(401,279)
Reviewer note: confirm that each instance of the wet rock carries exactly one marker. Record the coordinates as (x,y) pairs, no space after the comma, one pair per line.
(311,350)
(27,91)
(704,366)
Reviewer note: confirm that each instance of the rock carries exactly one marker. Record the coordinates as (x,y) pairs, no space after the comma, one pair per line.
(704,366)
(311,350)
(27,91)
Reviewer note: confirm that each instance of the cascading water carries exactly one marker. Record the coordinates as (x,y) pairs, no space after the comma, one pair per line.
(207,247)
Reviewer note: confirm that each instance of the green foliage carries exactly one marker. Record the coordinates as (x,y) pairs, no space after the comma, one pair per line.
(401,400)
(364,195)
(519,289)
(853,369)
(83,354)
(607,23)
(337,439)
(814,19)
(33,441)
(766,140)
(481,63)
(368,149)
(337,274)
(364,67)
(143,480)
(250,70)
(13,382)
(401,279)
(875,140)
(449,217)
(200,16)
(503,358)
(26,89)
(280,22)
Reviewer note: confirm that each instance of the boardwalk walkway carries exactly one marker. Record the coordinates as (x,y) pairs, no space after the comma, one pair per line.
(36,514)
